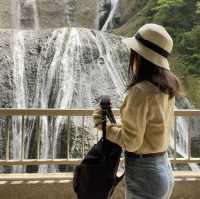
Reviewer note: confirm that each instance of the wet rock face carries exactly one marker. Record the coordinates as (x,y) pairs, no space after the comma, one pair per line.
(104,10)
(6,83)
(30,58)
(64,13)
(5,15)
(41,14)
(48,13)
(109,14)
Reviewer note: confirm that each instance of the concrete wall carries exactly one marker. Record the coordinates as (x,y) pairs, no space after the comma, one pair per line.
(62,189)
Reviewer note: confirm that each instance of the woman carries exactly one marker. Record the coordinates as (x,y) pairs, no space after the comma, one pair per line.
(147,115)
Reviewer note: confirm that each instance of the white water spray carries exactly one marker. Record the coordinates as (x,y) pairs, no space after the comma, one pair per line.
(20,94)
(114,7)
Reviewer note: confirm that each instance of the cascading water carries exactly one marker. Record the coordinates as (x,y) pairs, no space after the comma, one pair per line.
(111,61)
(18,69)
(33,4)
(66,68)
(67,63)
(17,43)
(20,95)
(182,126)
(19,80)
(109,21)
(68,11)
(62,67)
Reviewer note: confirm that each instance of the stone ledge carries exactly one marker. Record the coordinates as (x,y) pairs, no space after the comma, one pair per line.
(36,176)
(184,175)
(51,186)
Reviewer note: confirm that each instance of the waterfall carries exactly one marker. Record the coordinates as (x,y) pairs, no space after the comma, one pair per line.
(111,60)
(114,7)
(20,95)
(182,125)
(17,43)
(66,68)
(18,69)
(63,68)
(69,12)
(67,63)
(35,13)
(20,81)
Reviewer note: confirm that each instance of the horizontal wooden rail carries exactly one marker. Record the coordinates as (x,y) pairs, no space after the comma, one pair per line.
(76,112)
(9,112)
(46,112)
(36,177)
(187,112)
(77,161)
(26,162)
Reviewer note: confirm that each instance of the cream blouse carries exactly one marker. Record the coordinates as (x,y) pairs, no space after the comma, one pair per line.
(146,120)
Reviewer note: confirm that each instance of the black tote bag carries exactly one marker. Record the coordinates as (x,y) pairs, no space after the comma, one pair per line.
(95,177)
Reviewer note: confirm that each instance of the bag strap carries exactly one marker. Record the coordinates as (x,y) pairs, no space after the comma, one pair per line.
(104,123)
(110,115)
(107,113)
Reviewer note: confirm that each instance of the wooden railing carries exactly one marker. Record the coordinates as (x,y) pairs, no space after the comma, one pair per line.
(7,115)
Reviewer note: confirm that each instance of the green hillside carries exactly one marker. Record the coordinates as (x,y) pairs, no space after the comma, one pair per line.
(182,19)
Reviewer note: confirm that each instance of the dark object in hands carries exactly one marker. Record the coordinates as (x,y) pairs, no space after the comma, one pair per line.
(105,103)
(95,177)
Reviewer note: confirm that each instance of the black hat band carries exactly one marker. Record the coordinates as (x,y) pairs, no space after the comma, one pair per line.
(151,45)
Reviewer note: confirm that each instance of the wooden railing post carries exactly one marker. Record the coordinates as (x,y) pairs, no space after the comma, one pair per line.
(7,139)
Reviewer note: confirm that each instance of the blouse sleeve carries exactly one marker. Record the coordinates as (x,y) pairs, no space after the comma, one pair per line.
(134,119)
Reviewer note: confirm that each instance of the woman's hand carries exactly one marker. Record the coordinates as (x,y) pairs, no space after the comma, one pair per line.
(115,125)
(97,117)
(98,120)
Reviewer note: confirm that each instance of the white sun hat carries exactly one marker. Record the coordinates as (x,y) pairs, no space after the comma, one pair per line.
(152,42)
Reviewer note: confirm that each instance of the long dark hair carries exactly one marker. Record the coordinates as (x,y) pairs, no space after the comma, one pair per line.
(166,81)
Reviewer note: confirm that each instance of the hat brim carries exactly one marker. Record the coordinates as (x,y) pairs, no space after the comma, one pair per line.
(146,52)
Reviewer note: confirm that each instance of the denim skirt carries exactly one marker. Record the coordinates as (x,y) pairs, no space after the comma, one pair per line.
(148,178)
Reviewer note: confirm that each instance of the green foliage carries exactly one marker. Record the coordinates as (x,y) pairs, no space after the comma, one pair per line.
(198,7)
(168,4)
(175,14)
(189,46)
(192,85)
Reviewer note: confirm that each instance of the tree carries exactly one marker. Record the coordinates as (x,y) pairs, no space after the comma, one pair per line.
(198,7)
(189,46)
(168,4)
(177,15)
